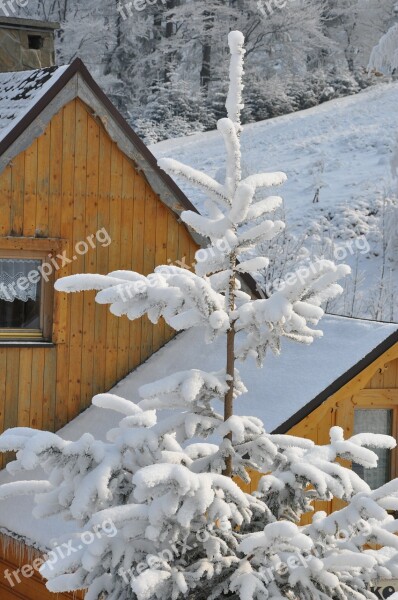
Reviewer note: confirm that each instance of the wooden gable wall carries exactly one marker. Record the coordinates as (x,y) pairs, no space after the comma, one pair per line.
(71,182)
(375,387)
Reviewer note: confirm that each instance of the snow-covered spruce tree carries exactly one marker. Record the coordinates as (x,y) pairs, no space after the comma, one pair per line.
(384,56)
(183,527)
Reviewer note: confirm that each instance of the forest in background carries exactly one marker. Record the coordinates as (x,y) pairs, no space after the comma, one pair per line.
(163,62)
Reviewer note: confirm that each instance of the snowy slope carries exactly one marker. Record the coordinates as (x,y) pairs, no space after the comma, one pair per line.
(275,393)
(347,147)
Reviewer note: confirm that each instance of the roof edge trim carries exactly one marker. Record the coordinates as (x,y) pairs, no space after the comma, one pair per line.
(340,382)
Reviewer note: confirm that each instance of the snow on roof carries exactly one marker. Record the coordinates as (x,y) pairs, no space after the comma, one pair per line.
(20,91)
(282,387)
(276,392)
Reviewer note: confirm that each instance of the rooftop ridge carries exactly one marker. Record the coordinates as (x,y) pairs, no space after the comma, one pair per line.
(34,24)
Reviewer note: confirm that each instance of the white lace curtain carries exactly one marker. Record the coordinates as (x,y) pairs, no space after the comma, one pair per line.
(12,270)
(377,420)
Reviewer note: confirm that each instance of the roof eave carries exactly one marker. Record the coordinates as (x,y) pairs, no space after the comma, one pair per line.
(340,382)
(28,24)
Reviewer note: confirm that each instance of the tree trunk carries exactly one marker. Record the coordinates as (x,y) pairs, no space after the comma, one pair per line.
(169,32)
(229,397)
(230,370)
(205,72)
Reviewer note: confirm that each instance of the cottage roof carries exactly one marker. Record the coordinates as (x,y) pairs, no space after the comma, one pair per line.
(33,24)
(282,393)
(29,99)
(286,389)
(19,92)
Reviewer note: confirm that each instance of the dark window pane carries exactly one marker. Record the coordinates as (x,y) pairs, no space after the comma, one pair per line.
(35,42)
(374,421)
(20,299)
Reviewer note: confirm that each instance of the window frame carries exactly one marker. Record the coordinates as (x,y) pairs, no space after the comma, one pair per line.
(40,249)
(384,405)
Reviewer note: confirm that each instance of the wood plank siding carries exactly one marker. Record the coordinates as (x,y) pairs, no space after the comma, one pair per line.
(375,387)
(70,183)
(26,584)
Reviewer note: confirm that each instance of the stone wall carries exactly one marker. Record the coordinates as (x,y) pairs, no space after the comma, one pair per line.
(16,53)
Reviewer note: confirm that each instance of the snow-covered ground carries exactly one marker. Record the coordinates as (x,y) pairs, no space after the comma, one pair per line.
(349,149)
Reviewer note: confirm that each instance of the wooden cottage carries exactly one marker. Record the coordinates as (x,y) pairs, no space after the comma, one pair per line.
(80,193)
(302,393)
(25,43)
(362,399)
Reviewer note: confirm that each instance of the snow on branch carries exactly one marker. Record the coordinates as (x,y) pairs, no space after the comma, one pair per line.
(215,190)
(234,102)
(23,488)
(113,402)
(384,56)
(212,228)
(182,298)
(289,310)
(265,180)
(232,145)
(187,387)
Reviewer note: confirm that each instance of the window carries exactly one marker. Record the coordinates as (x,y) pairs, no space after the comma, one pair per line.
(375,421)
(35,42)
(25,298)
(26,295)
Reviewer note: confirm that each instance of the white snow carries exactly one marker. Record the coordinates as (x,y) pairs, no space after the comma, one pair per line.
(234,103)
(275,393)
(347,147)
(358,132)
(384,57)
(19,92)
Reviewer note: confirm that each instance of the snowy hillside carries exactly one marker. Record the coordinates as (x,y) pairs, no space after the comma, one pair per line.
(348,150)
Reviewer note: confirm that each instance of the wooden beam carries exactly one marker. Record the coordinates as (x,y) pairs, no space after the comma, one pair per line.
(377,396)
(359,382)
(31,243)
